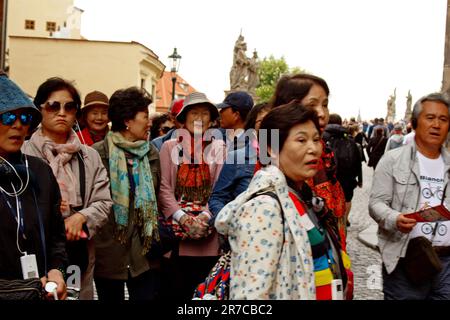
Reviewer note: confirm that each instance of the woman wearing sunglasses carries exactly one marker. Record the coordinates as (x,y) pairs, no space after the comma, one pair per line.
(29,190)
(161,126)
(81,176)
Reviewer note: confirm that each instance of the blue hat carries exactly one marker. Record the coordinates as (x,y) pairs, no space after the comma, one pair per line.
(239,100)
(13,98)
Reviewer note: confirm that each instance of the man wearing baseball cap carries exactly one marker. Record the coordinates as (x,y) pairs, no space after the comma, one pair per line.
(234,110)
(241,156)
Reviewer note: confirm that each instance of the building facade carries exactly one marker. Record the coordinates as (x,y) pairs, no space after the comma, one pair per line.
(164,89)
(92,65)
(44,40)
(44,18)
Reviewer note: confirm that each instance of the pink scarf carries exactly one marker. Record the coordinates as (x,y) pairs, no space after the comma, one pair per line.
(58,156)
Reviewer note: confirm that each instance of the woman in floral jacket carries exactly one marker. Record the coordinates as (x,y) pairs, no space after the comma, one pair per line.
(279,248)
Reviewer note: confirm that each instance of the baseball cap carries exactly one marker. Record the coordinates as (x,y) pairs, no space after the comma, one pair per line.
(239,100)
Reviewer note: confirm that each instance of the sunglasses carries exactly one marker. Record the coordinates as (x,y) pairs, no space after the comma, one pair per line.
(9,118)
(56,106)
(166,129)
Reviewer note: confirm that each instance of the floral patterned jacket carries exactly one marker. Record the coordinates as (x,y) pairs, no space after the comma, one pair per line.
(271,253)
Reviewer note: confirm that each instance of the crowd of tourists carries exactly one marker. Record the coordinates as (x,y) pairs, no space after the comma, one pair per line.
(226,201)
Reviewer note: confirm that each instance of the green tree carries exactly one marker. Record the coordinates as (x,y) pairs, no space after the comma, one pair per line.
(270,71)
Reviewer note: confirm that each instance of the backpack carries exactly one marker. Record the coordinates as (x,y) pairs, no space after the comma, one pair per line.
(395,144)
(346,154)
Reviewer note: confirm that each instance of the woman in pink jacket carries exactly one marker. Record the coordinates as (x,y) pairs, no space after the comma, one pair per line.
(190,166)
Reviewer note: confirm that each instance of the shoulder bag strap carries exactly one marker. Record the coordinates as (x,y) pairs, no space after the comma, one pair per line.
(82,170)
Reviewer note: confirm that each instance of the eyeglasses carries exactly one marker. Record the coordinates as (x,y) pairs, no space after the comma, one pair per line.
(9,118)
(55,106)
(165,129)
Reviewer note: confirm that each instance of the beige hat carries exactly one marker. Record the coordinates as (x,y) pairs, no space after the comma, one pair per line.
(194,99)
(95,98)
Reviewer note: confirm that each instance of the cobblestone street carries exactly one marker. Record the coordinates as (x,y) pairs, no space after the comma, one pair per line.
(366,262)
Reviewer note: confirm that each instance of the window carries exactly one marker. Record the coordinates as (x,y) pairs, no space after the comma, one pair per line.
(51,26)
(142,83)
(29,24)
(183,86)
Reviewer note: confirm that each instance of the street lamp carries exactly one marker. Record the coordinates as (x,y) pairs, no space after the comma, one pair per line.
(175,57)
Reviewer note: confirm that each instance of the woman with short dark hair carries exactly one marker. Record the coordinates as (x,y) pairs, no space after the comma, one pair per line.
(81,176)
(133,168)
(274,225)
(161,125)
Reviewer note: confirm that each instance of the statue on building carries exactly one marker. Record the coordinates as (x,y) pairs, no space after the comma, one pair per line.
(391,107)
(253,77)
(408,111)
(239,70)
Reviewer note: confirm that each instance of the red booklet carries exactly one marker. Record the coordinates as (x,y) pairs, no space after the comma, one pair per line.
(431,214)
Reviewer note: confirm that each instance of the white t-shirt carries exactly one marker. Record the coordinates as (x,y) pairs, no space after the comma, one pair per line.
(431,193)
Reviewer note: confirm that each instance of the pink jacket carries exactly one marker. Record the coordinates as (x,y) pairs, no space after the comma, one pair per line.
(168,204)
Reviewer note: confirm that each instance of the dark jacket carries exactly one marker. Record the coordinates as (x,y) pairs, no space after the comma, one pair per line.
(114,260)
(346,178)
(362,141)
(235,176)
(48,198)
(375,150)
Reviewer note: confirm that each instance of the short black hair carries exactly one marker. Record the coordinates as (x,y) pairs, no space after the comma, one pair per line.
(156,124)
(56,84)
(124,104)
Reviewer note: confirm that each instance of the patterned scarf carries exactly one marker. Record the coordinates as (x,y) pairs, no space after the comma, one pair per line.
(193,182)
(145,208)
(58,156)
(325,185)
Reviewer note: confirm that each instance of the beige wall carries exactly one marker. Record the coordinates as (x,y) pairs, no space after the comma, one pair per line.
(93,65)
(41,11)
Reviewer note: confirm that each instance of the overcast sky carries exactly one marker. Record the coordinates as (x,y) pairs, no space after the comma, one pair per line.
(364,49)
